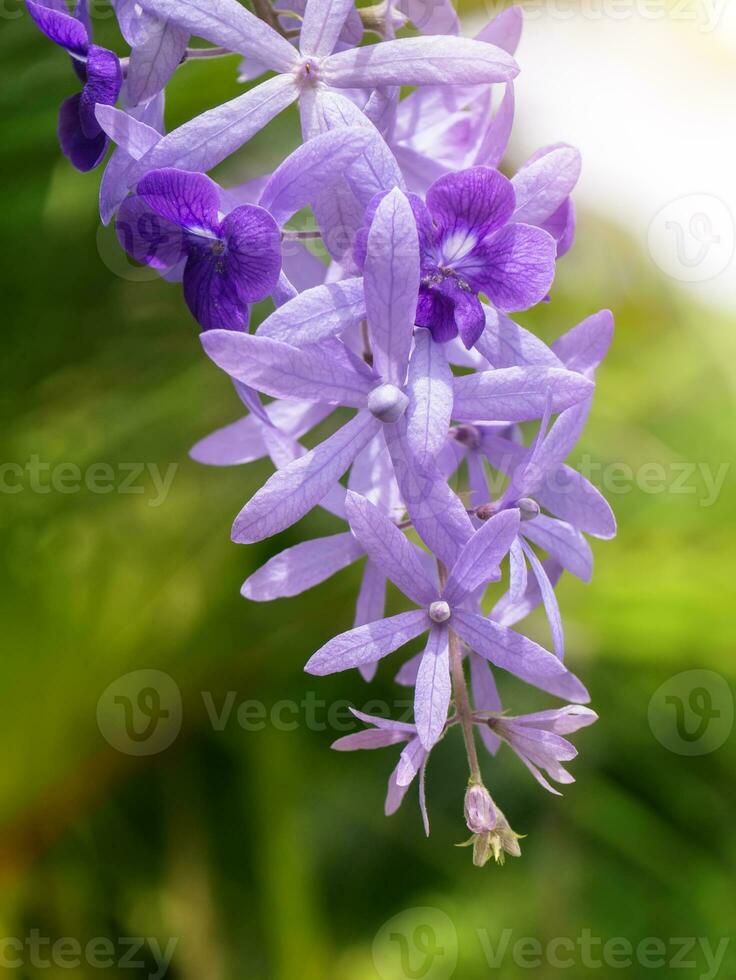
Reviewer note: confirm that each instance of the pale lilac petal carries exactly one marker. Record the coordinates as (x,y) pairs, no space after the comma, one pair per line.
(518,655)
(485,697)
(302,178)
(293,491)
(367,644)
(504,30)
(407,673)
(302,567)
(371,606)
(395,793)
(515,267)
(584,347)
(570,496)
(187,199)
(130,134)
(549,599)
(517,394)
(419,61)
(561,721)
(495,142)
(389,549)
(229,24)
(517,571)
(479,561)
(431,16)
(542,185)
(505,344)
(469,205)
(391,282)
(154,61)
(206,140)
(477,480)
(284,450)
(405,728)
(562,542)
(433,688)
(508,611)
(371,738)
(284,371)
(438,516)
(411,761)
(430,390)
(322,25)
(242,441)
(316,314)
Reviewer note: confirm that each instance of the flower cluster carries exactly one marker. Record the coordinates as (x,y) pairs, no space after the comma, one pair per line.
(447,467)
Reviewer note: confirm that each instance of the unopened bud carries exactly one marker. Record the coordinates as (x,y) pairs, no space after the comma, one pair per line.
(387,403)
(528,508)
(468,436)
(480,813)
(440,611)
(485,512)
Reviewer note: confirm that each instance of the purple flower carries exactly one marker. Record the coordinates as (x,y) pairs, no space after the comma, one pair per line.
(412,761)
(80,135)
(227,261)
(308,75)
(470,243)
(537,740)
(477,564)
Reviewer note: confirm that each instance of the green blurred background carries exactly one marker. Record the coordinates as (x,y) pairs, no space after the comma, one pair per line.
(263,853)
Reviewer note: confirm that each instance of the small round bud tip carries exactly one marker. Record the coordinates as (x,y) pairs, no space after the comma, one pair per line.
(528,508)
(440,612)
(387,403)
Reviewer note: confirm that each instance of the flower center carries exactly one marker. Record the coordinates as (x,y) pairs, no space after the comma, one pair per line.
(308,71)
(440,612)
(387,403)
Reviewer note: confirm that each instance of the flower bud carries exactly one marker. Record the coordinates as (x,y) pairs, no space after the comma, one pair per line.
(528,508)
(486,511)
(468,435)
(480,813)
(387,403)
(440,611)
(494,843)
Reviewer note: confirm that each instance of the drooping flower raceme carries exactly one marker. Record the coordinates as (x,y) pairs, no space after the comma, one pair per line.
(394,251)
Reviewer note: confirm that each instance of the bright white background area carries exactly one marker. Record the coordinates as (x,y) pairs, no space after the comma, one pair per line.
(647,90)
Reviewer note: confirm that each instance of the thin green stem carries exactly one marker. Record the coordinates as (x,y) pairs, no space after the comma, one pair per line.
(460,690)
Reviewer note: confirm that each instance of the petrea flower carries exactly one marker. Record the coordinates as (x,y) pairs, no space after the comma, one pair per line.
(80,135)
(412,761)
(477,564)
(305,74)
(470,243)
(537,740)
(229,261)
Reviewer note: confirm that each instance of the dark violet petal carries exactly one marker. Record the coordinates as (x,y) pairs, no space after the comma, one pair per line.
(190,200)
(62,28)
(470,316)
(469,205)
(147,237)
(85,154)
(211,292)
(253,253)
(104,80)
(515,267)
(436,311)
